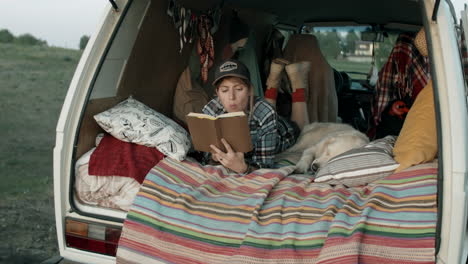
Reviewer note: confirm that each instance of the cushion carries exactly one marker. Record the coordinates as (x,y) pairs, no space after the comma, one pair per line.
(133,121)
(417,142)
(189,97)
(360,166)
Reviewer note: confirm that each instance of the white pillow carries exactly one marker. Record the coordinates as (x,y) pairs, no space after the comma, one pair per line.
(360,166)
(133,121)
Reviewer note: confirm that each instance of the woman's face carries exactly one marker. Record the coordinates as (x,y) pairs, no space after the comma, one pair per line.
(233,94)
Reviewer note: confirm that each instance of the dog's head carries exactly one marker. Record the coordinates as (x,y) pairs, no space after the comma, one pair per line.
(334,146)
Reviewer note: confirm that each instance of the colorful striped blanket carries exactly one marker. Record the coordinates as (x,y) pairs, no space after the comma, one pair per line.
(188,213)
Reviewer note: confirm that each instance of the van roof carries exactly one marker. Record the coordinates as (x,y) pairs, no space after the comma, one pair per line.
(296,12)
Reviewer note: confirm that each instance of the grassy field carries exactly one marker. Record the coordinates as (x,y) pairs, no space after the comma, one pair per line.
(33,84)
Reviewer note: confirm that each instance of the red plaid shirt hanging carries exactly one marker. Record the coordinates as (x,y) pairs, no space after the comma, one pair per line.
(405,74)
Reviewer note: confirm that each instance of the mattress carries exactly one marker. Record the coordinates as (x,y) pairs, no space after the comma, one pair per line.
(189,213)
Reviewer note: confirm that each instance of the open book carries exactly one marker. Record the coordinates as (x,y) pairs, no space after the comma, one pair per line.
(206,130)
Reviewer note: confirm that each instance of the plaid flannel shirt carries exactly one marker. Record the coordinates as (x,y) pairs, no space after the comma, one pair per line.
(270,132)
(404,75)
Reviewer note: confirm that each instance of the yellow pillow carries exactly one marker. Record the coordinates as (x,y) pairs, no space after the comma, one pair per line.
(417,142)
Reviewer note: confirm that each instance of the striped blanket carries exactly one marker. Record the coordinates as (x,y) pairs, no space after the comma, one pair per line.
(188,213)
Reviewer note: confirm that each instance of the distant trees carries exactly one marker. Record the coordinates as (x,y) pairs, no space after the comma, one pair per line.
(334,44)
(350,40)
(25,39)
(83,41)
(28,39)
(330,43)
(6,36)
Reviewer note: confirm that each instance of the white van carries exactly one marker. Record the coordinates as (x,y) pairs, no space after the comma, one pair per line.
(142,48)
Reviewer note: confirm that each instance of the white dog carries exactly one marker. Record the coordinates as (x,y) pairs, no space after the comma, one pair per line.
(319,142)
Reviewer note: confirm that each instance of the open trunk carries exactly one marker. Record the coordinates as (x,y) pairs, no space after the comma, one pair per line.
(137,52)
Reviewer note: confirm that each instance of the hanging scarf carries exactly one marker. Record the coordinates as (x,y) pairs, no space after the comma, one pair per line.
(205,46)
(184,22)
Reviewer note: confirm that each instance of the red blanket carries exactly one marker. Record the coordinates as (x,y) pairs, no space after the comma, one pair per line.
(114,157)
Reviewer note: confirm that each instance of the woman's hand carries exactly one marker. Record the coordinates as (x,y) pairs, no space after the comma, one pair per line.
(229,159)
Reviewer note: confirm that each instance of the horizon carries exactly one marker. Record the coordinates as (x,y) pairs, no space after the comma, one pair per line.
(40,39)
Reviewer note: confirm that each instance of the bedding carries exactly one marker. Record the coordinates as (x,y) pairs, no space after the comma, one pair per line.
(114,192)
(132,121)
(188,213)
(113,157)
(360,166)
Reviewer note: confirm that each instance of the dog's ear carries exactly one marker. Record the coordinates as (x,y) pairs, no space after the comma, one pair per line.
(331,140)
(324,151)
(325,144)
(322,148)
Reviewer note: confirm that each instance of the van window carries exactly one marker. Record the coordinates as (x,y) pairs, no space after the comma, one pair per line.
(347,50)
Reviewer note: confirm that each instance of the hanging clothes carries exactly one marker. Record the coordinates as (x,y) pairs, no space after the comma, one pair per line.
(404,75)
(183,20)
(205,46)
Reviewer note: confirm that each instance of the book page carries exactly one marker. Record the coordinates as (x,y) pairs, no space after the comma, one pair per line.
(201,115)
(231,114)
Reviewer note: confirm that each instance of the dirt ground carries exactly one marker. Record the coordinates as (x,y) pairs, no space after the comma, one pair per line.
(27,230)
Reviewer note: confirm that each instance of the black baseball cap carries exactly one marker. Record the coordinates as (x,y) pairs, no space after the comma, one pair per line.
(231,68)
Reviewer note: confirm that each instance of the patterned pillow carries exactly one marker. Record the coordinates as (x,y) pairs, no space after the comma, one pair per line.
(360,166)
(133,121)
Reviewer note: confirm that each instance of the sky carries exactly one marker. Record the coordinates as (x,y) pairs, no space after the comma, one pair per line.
(59,22)
(63,22)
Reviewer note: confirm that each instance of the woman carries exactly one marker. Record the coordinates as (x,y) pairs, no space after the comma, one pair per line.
(270,132)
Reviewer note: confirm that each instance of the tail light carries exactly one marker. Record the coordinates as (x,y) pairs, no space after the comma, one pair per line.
(92,237)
